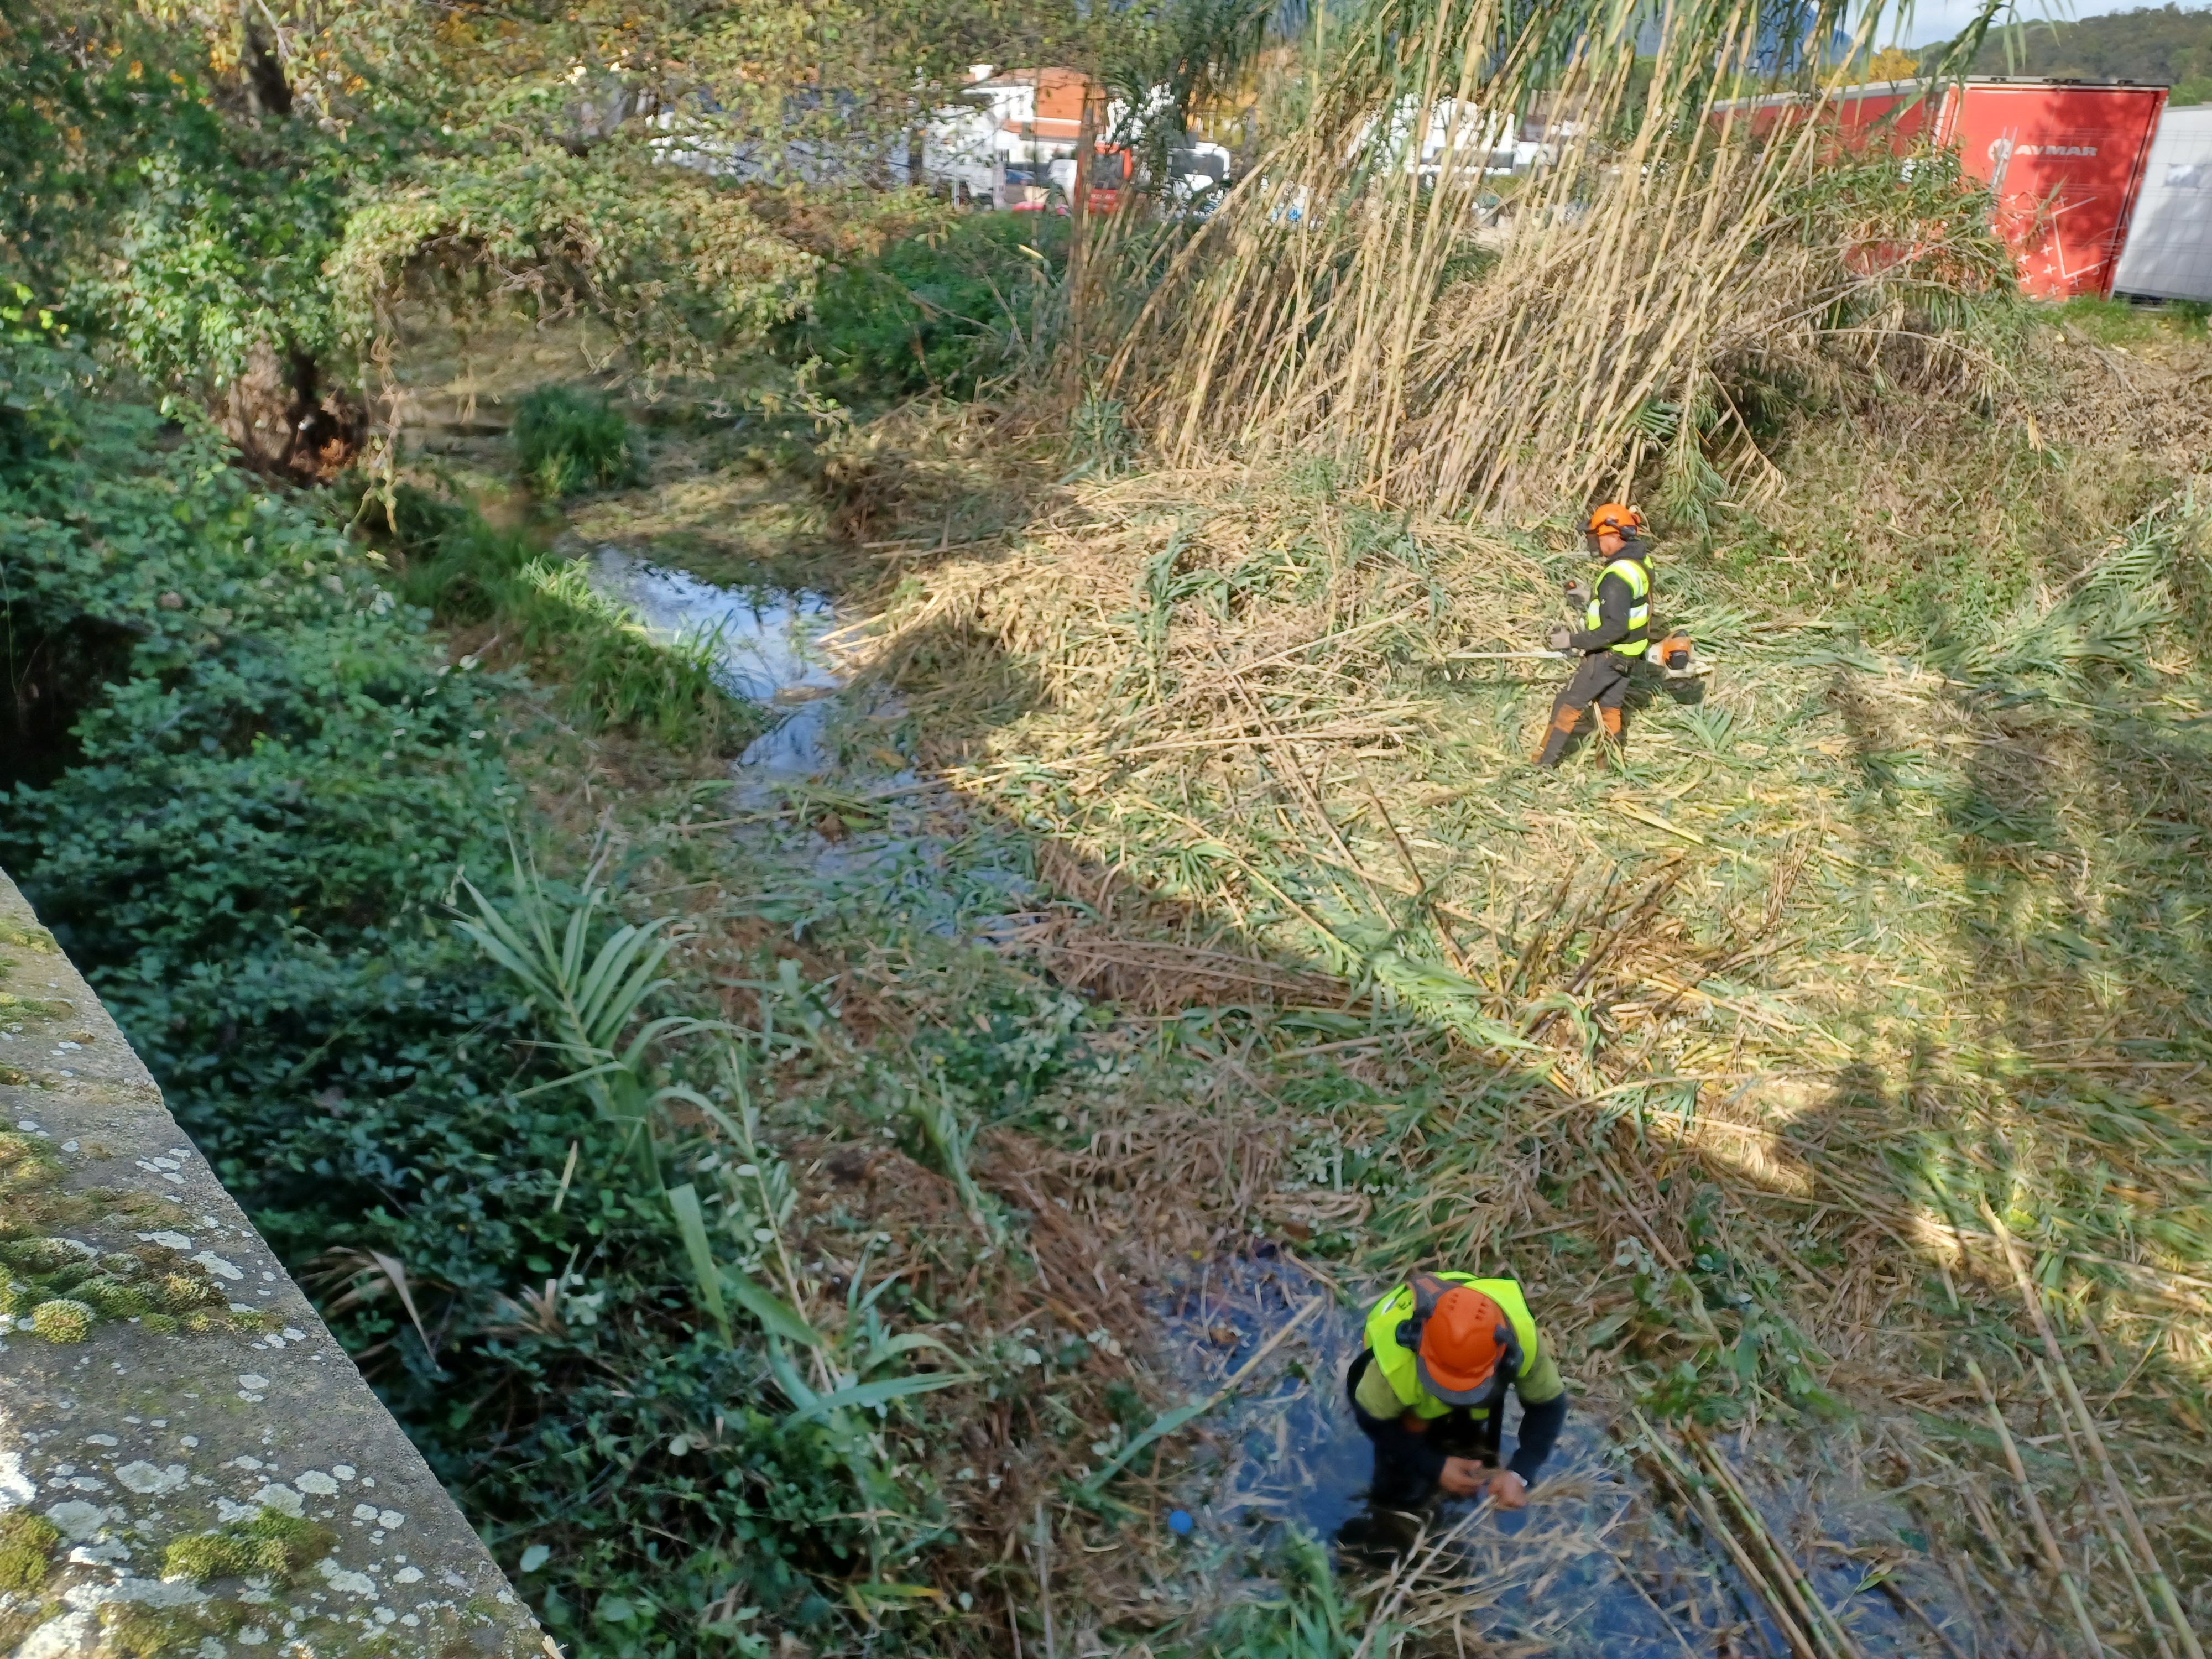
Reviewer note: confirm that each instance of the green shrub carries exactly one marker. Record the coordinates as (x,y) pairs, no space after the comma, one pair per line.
(571,442)
(944,311)
(452,562)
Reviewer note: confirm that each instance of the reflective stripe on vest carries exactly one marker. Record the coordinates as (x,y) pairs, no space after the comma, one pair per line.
(1395,1360)
(1638,578)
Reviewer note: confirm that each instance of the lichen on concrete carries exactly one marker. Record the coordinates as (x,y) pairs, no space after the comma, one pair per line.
(190,1464)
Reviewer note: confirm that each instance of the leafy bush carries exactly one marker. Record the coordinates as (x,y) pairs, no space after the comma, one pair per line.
(571,442)
(942,311)
(186,242)
(251,856)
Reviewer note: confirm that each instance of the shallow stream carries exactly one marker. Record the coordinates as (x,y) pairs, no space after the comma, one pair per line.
(767,645)
(1594,1567)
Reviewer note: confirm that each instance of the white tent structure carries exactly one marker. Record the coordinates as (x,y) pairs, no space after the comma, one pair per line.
(2168,253)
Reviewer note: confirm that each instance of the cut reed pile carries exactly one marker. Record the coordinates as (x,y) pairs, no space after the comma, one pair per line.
(1830,1063)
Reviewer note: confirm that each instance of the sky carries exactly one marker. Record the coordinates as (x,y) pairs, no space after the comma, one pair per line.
(1938,20)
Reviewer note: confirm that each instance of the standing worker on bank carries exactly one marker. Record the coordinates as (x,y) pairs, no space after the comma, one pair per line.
(1616,630)
(1443,1352)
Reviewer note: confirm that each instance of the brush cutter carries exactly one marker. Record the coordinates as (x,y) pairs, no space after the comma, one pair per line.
(1676,657)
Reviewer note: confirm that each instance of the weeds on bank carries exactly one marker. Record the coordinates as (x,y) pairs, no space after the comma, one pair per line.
(570,442)
(611,671)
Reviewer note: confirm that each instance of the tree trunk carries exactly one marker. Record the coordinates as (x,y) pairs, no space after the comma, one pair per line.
(267,91)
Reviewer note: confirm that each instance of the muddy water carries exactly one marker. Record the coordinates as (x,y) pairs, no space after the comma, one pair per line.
(1597,1565)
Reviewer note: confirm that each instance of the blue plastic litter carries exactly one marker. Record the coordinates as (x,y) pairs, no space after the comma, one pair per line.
(1179,1522)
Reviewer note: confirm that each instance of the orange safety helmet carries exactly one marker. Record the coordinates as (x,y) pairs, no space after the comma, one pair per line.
(1625,522)
(1463,1342)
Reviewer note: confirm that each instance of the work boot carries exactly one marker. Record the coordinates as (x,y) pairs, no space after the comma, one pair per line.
(1564,719)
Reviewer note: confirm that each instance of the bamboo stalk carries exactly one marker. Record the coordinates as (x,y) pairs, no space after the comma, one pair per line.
(2105,1521)
(1044,1577)
(1793,1576)
(2149,1558)
(1696,1495)
(2044,1536)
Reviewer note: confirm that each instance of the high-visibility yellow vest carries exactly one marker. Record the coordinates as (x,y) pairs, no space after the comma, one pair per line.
(1638,575)
(1395,1358)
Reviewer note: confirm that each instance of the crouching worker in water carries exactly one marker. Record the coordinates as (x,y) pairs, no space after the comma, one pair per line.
(1429,1390)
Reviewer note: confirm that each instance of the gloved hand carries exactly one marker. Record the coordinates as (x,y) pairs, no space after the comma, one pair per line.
(1560,637)
(1462,1477)
(1578,593)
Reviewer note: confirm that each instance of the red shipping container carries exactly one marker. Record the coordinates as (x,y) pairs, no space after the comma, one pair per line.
(1891,113)
(2064,162)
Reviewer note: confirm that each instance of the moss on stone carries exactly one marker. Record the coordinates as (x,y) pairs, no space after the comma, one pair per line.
(270,1545)
(34,1007)
(41,1255)
(161,1324)
(177,1293)
(31,938)
(28,1543)
(14,1298)
(112,1299)
(63,1321)
(132,1630)
(22,1157)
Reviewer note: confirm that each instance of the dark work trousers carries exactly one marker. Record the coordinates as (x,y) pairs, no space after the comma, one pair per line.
(1408,1463)
(1600,678)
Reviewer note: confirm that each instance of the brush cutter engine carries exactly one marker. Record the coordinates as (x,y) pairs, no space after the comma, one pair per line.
(1677,658)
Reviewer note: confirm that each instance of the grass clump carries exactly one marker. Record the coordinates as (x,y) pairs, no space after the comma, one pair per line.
(28,1543)
(2122,322)
(571,442)
(272,1545)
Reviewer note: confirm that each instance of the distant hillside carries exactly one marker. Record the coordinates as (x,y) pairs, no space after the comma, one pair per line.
(2166,43)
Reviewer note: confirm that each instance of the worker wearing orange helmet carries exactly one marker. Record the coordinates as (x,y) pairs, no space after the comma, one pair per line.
(1428,1389)
(1616,630)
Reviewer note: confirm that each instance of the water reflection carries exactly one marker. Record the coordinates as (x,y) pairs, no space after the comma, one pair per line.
(1598,1563)
(767,642)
